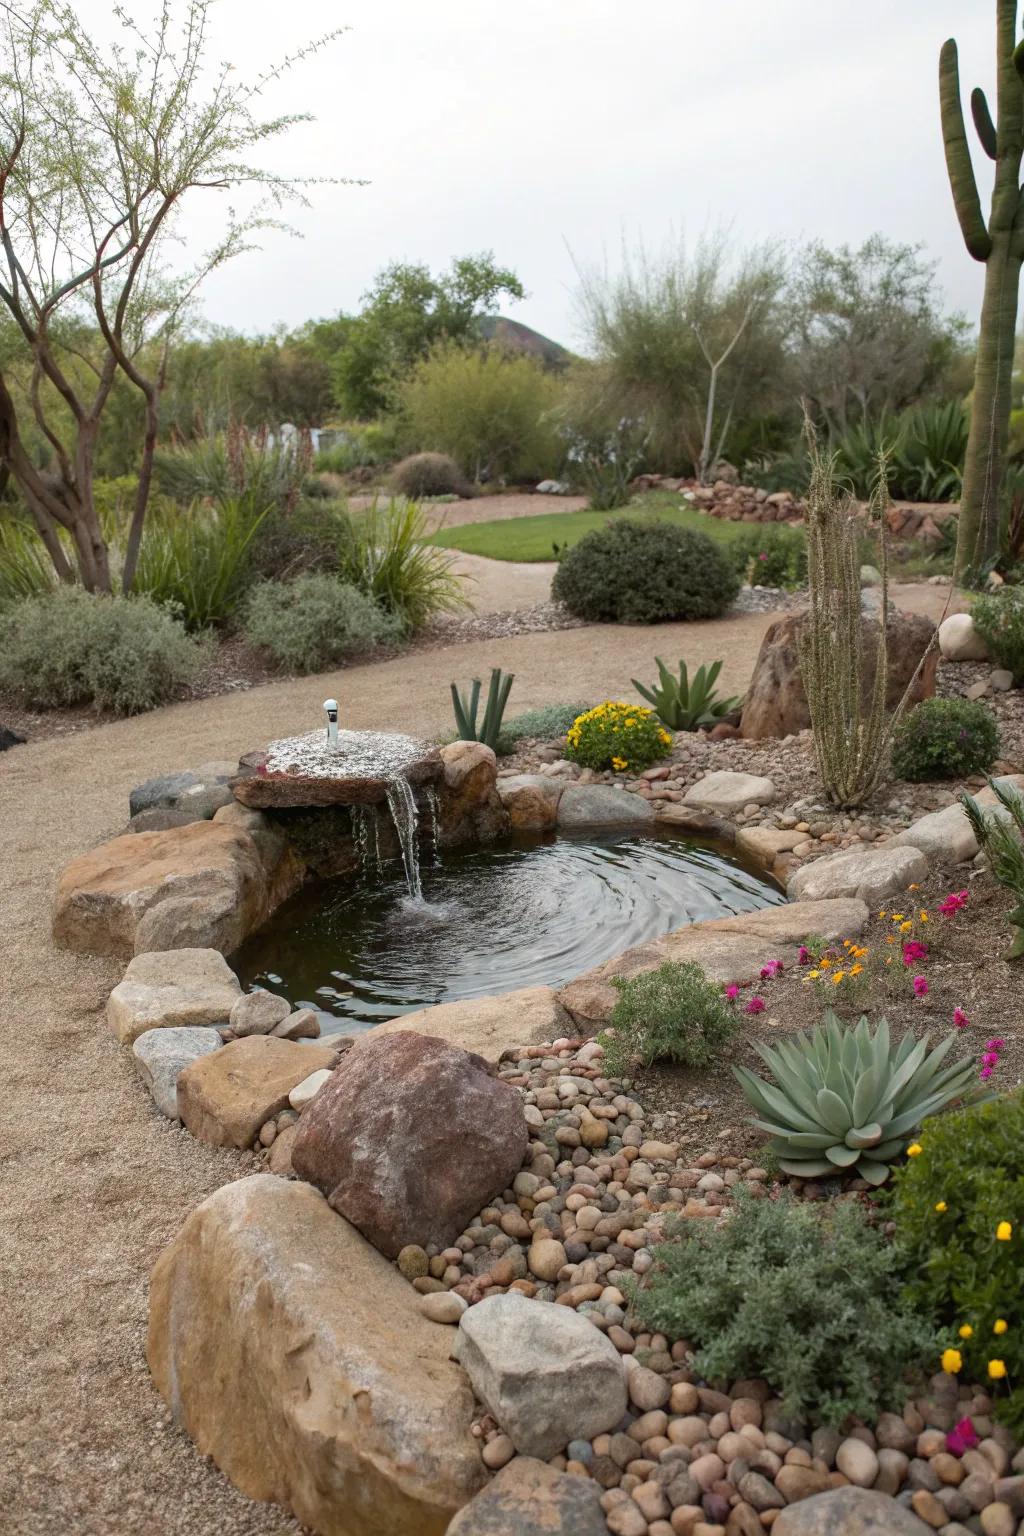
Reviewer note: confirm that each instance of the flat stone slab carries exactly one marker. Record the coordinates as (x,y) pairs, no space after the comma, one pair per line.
(170,989)
(295,1356)
(192,789)
(162,1054)
(529,1498)
(766,843)
(546,1374)
(531,800)
(850,1512)
(869,874)
(599,805)
(947,834)
(487,1025)
(223,1099)
(305,770)
(725,791)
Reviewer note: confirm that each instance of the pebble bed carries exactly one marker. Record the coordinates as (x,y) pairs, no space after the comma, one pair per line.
(584,1214)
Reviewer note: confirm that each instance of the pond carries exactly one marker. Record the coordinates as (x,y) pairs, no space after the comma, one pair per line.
(530,911)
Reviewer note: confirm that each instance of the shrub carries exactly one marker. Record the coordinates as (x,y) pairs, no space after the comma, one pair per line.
(771,555)
(603,463)
(618,736)
(199,558)
(316,621)
(549,721)
(686,706)
(26,569)
(489,409)
(643,573)
(945,739)
(428,474)
(269,469)
(125,654)
(802,1295)
(999,835)
(672,1014)
(948,1204)
(999,621)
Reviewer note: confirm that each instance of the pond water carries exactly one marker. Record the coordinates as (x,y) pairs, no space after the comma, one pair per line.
(526,912)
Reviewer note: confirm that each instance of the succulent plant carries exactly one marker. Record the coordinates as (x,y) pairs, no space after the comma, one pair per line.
(844,1101)
(466,709)
(684,705)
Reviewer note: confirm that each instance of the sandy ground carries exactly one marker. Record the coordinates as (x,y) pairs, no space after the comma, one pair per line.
(95,1183)
(485,509)
(495,586)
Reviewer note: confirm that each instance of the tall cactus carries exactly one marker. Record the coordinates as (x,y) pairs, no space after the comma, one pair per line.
(1000,245)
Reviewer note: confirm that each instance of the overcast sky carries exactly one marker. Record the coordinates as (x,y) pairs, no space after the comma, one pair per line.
(548,130)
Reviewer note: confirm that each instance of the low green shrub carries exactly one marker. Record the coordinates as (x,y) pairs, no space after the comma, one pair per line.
(805,1296)
(771,555)
(316,621)
(945,739)
(645,573)
(683,705)
(1000,837)
(623,737)
(545,723)
(124,654)
(429,474)
(958,1208)
(999,620)
(672,1014)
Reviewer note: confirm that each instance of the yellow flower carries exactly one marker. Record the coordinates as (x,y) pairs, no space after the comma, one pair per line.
(838,977)
(812,975)
(847,943)
(855,970)
(923,916)
(1004,1232)
(913,887)
(897,917)
(630,723)
(906,927)
(619,763)
(952,1361)
(883,914)
(997,1369)
(966,1332)
(940,1206)
(915,1149)
(1000,1325)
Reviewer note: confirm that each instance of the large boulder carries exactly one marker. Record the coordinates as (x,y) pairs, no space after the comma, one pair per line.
(181,988)
(727,792)
(487,1026)
(546,1374)
(195,887)
(947,834)
(223,1099)
(849,1512)
(293,1354)
(469,806)
(776,704)
(960,641)
(529,1498)
(531,800)
(307,771)
(601,805)
(867,873)
(161,1055)
(410,1139)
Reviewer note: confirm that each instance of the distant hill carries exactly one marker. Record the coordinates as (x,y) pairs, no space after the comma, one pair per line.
(521,338)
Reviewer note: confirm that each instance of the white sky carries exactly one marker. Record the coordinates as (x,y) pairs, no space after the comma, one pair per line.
(540,128)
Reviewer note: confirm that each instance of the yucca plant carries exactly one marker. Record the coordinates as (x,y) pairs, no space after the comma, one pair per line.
(686,706)
(1000,836)
(844,1101)
(466,709)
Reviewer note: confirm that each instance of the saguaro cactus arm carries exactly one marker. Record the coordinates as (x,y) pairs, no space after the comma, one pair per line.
(958,155)
(983,122)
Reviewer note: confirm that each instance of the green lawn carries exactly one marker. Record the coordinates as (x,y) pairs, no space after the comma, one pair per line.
(532,538)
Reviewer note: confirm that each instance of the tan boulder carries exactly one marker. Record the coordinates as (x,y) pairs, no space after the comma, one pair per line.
(487,1025)
(196,887)
(531,801)
(223,1099)
(470,809)
(181,988)
(766,843)
(294,1355)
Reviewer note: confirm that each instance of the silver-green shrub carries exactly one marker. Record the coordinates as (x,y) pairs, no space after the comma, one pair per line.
(316,621)
(672,1014)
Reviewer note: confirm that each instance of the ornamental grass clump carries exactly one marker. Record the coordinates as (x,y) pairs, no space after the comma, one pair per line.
(845,1100)
(958,1210)
(672,1014)
(623,737)
(803,1296)
(999,837)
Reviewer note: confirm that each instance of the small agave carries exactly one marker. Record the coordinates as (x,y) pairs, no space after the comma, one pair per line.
(845,1101)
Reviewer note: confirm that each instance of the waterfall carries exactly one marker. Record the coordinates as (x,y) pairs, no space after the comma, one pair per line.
(434,806)
(402,804)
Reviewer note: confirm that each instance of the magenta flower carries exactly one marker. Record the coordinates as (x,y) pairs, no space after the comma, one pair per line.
(914,950)
(985,1074)
(960,1018)
(804,955)
(962,1437)
(771,970)
(994,1045)
(732,993)
(920,986)
(954,902)
(756,1005)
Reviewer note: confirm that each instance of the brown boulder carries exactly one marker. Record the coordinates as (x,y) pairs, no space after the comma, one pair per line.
(410,1139)
(530,1498)
(223,1099)
(776,704)
(196,887)
(299,772)
(293,1354)
(531,801)
(470,809)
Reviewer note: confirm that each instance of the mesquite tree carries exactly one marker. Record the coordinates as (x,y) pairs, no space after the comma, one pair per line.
(98,146)
(999,243)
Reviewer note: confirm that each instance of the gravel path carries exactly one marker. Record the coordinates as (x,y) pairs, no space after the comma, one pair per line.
(94,1182)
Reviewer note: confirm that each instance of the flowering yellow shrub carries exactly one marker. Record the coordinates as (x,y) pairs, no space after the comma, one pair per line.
(619,736)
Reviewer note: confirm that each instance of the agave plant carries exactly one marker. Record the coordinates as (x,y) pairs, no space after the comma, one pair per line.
(844,1101)
(999,834)
(686,706)
(466,709)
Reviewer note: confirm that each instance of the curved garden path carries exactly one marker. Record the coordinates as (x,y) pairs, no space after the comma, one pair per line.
(94,1181)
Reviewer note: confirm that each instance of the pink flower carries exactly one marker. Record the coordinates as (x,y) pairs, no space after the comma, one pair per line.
(756,1005)
(994,1045)
(920,986)
(954,902)
(914,950)
(962,1437)
(732,993)
(804,955)
(960,1018)
(771,970)
(762,556)
(985,1074)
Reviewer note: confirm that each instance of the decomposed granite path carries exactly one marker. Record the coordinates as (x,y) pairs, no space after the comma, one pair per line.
(93,1182)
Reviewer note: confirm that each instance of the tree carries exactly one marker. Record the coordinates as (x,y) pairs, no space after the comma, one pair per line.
(869,337)
(999,244)
(98,147)
(404,314)
(695,345)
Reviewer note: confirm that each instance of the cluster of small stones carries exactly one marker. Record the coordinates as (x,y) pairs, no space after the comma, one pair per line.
(581,1220)
(726,499)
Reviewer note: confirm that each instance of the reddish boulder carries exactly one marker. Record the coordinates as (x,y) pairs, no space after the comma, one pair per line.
(410,1139)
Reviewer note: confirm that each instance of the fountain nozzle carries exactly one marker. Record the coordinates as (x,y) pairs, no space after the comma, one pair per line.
(331,711)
